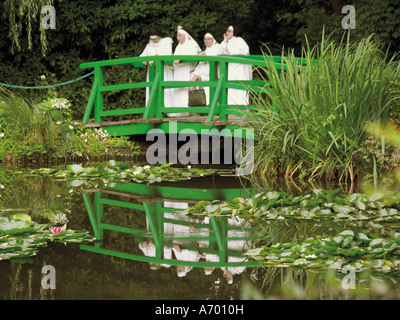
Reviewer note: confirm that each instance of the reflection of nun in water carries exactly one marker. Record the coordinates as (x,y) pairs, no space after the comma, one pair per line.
(241,244)
(149,250)
(177,231)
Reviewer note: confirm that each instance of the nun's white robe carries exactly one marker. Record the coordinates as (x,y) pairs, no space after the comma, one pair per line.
(183,72)
(203,68)
(163,47)
(237,71)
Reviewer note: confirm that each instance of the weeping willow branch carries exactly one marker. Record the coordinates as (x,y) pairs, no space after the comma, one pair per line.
(25,12)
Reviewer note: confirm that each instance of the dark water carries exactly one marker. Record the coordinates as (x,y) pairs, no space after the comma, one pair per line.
(146,252)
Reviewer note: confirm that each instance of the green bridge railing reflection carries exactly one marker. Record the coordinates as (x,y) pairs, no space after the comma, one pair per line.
(207,242)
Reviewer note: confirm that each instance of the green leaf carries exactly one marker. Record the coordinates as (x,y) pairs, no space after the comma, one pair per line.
(363,237)
(347,233)
(376,242)
(273,195)
(21,216)
(75,168)
(342,209)
(375,196)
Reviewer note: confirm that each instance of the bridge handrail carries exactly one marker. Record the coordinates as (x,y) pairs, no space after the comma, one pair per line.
(255,60)
(218,84)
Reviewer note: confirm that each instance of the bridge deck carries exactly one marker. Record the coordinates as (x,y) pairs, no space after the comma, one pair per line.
(232,120)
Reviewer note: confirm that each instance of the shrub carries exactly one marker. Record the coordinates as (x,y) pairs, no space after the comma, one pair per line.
(46,132)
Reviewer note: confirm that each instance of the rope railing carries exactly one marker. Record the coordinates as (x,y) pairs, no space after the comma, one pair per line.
(47,86)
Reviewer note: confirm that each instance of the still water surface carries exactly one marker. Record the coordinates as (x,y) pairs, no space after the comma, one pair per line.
(146,250)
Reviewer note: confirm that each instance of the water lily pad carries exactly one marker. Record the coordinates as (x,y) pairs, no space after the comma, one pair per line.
(376,242)
(16,227)
(21,216)
(375,196)
(363,237)
(347,233)
(75,168)
(342,209)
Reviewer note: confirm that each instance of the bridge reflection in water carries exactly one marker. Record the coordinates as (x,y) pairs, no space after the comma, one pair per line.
(163,237)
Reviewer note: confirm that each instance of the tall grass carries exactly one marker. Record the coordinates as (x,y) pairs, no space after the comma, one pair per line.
(26,119)
(310,119)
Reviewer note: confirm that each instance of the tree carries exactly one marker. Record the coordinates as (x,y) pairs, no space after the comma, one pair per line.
(20,13)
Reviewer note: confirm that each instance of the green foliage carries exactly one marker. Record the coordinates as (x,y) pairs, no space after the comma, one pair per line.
(384,156)
(20,13)
(347,250)
(381,18)
(318,205)
(21,238)
(100,30)
(311,118)
(306,18)
(119,171)
(97,30)
(45,131)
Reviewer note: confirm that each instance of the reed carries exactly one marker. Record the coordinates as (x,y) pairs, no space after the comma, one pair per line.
(310,120)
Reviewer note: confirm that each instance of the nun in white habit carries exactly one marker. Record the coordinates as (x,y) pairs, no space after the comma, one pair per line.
(202,71)
(159,45)
(183,71)
(235,45)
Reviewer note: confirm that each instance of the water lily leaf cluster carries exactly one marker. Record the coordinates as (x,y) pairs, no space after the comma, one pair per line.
(117,171)
(347,250)
(320,204)
(20,237)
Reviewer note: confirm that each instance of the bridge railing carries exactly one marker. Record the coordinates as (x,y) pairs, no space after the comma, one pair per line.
(155,108)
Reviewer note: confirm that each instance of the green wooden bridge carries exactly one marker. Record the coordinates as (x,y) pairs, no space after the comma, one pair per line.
(218,114)
(148,202)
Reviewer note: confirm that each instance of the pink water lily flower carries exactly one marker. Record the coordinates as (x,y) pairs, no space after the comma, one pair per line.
(243,200)
(55,230)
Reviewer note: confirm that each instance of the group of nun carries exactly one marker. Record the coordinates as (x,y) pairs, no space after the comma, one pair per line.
(159,44)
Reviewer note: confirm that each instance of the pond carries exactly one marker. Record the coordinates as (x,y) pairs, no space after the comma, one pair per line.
(147,250)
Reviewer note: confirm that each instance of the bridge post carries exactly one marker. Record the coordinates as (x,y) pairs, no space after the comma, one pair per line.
(213,77)
(159,100)
(98,105)
(224,94)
